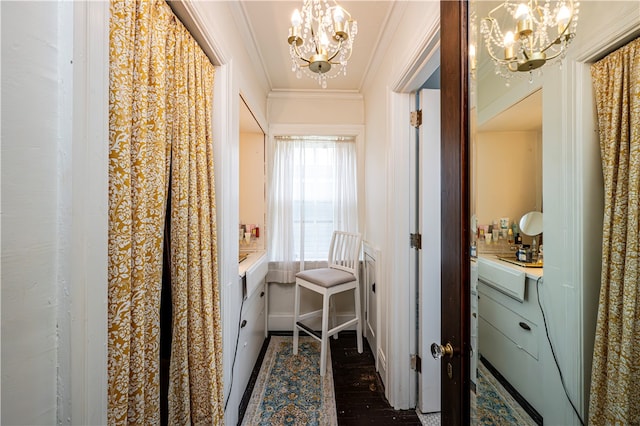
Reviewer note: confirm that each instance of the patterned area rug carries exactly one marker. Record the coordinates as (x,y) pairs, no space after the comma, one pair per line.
(289,389)
(493,405)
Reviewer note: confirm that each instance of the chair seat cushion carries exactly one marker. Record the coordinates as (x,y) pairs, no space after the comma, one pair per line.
(326,277)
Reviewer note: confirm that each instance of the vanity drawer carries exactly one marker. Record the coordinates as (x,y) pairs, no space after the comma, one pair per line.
(518,367)
(520,330)
(250,340)
(253,310)
(528,309)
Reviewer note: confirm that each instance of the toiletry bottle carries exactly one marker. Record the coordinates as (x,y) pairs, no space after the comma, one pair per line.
(518,239)
(522,253)
(534,250)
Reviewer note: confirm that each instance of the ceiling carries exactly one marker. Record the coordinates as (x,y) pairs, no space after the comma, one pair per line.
(526,115)
(269,21)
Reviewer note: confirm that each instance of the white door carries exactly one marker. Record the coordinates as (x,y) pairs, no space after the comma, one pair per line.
(429,257)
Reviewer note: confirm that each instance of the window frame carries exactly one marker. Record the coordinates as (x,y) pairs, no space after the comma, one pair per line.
(302,130)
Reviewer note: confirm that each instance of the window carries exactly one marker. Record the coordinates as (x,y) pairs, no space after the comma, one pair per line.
(312,193)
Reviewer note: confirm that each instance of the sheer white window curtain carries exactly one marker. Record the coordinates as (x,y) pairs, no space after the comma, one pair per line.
(313,191)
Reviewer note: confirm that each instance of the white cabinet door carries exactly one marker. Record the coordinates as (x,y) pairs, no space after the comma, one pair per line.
(369,279)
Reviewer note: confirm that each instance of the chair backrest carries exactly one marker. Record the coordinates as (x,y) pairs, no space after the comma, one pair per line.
(344,253)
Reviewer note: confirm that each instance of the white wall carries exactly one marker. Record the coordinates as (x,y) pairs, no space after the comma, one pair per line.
(326,107)
(53,213)
(509,175)
(31,129)
(572,195)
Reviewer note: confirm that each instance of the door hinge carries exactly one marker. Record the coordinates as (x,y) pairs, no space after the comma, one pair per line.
(415,241)
(416,118)
(416,363)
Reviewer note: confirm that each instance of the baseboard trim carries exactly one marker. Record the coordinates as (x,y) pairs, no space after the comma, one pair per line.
(381,361)
(537,417)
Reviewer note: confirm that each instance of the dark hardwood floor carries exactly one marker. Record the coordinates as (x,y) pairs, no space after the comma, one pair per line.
(359,391)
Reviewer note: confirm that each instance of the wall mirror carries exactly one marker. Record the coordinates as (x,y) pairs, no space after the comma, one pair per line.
(252,183)
(533,143)
(506,183)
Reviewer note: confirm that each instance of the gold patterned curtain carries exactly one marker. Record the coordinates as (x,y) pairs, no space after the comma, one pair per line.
(195,388)
(161,87)
(615,382)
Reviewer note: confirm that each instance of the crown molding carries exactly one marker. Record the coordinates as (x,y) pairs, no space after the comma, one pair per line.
(239,11)
(391,20)
(316,94)
(423,60)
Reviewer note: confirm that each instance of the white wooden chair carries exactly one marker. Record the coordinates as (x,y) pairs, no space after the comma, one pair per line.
(342,274)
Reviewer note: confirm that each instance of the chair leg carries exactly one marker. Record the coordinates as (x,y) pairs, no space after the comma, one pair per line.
(296,313)
(334,322)
(325,340)
(356,295)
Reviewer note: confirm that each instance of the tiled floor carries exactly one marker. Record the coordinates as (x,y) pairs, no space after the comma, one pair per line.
(431,419)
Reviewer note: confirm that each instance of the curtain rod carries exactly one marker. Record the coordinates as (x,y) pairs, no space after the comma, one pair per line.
(190,18)
(315,138)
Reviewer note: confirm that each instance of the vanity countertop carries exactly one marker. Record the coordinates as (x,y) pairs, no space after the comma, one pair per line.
(533,273)
(253,258)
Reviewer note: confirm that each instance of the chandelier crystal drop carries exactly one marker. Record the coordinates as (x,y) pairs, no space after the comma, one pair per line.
(521,36)
(321,40)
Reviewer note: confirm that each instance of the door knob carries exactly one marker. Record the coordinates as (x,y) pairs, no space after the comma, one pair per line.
(438,351)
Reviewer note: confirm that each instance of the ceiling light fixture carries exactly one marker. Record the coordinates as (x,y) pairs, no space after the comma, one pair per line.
(536,32)
(321,36)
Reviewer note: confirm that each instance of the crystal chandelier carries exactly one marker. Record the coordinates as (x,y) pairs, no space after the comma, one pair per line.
(533,32)
(321,39)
